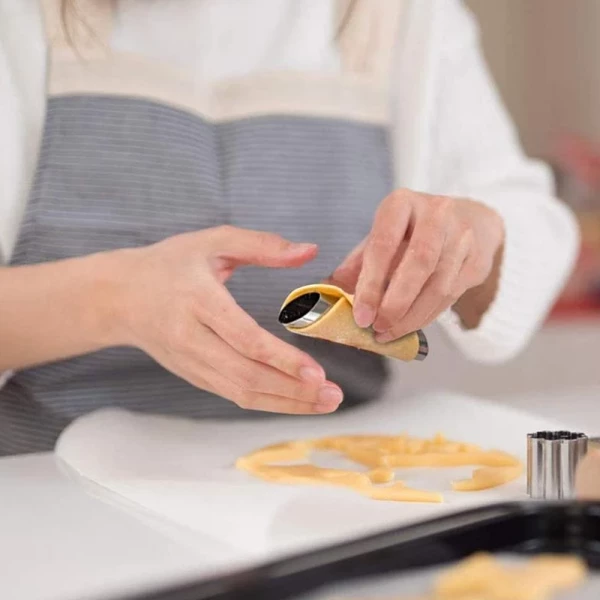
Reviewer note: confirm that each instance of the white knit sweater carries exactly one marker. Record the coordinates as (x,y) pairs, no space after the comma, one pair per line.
(451,133)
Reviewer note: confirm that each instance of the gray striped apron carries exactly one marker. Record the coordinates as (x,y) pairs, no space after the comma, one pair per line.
(134,152)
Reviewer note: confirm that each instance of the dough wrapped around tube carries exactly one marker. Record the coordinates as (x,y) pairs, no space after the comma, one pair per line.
(325,312)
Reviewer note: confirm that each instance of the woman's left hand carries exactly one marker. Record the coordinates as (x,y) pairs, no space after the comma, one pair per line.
(422,254)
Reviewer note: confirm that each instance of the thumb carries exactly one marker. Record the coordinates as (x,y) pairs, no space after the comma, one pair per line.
(264,249)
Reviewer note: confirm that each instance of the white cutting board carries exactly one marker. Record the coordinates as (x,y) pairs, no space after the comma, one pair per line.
(183,470)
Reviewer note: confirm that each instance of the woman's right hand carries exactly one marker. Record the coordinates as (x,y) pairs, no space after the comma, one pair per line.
(174,305)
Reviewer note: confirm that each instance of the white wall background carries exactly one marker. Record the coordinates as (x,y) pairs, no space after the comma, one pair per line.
(545,55)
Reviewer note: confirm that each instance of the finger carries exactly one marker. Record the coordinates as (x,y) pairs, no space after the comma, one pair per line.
(285,406)
(439,292)
(261,248)
(461,281)
(210,379)
(219,311)
(346,275)
(254,376)
(389,229)
(417,265)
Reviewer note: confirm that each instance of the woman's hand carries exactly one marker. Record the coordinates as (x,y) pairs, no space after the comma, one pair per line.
(176,307)
(422,254)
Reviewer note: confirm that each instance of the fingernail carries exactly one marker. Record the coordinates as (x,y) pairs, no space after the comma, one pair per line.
(330,395)
(325,408)
(384,338)
(364,315)
(312,374)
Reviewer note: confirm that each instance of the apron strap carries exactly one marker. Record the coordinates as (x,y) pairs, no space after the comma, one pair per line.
(367,35)
(85,29)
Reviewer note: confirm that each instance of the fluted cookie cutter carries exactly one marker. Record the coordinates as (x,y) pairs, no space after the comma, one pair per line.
(552,459)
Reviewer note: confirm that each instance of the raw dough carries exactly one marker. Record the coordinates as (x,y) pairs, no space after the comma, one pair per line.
(488,477)
(398,492)
(311,474)
(458,459)
(483,576)
(338,325)
(381,453)
(381,475)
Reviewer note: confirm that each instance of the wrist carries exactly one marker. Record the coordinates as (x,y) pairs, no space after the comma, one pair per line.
(489,236)
(475,302)
(487,223)
(106,296)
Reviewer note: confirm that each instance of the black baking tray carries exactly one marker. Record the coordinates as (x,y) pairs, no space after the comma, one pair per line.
(520,528)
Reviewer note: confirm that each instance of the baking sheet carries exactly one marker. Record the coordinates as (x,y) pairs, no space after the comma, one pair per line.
(183,470)
(420,582)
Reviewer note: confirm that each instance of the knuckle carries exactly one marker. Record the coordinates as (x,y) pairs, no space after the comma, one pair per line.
(401,195)
(442,205)
(464,230)
(367,290)
(368,297)
(425,254)
(465,235)
(383,244)
(441,290)
(260,350)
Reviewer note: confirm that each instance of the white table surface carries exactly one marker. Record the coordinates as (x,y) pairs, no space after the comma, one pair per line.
(61,541)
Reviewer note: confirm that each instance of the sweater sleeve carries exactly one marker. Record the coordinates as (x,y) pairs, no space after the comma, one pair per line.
(476,154)
(22,107)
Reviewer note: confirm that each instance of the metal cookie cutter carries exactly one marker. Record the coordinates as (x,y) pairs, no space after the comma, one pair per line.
(305,310)
(552,458)
(309,308)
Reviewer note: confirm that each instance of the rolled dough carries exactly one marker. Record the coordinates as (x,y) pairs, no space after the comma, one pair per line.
(338,325)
